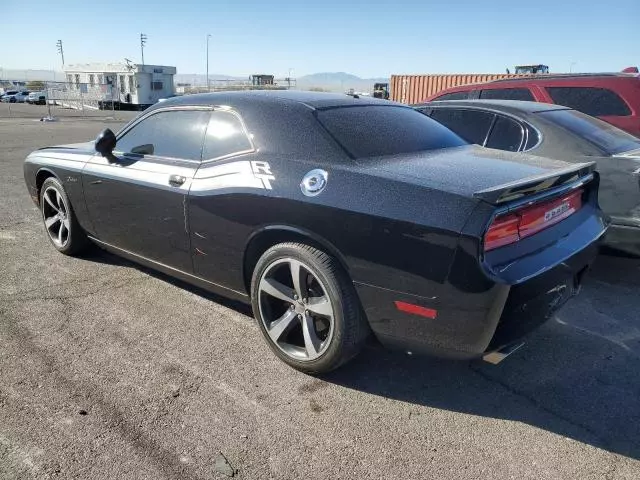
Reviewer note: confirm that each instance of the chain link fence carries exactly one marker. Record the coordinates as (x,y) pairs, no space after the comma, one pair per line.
(67,99)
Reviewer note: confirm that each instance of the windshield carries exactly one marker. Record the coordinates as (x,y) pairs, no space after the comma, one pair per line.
(372,131)
(602,134)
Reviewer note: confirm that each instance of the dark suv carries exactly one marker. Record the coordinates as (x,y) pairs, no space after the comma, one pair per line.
(614,98)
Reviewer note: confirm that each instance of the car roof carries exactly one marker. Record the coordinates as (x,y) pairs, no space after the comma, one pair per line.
(564,76)
(313,100)
(509,106)
(581,79)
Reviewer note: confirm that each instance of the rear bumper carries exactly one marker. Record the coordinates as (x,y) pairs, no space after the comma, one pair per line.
(468,324)
(624,238)
(532,303)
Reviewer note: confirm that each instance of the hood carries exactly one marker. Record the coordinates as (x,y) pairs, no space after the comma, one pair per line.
(471,169)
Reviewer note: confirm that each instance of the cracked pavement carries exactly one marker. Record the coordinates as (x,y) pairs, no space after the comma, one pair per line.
(108,370)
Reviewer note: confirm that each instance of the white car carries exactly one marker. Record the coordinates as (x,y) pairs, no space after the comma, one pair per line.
(16,97)
(8,94)
(37,98)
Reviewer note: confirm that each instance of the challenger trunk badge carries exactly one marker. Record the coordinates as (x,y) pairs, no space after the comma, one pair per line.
(314,182)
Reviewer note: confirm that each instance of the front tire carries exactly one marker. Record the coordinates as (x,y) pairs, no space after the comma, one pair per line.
(307,308)
(61,225)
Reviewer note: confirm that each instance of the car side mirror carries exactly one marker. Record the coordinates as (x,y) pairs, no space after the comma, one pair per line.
(105,142)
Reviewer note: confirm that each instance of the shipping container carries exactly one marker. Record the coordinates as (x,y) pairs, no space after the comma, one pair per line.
(416,88)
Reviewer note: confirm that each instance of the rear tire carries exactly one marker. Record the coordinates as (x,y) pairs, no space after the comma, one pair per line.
(60,222)
(315,323)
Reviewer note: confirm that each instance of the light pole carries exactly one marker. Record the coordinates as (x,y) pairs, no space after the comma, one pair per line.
(143,42)
(289,78)
(208,86)
(571,67)
(60,51)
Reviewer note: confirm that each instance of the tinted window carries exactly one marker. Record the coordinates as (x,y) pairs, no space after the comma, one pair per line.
(602,134)
(225,136)
(507,94)
(176,134)
(472,125)
(592,101)
(454,96)
(532,138)
(506,134)
(374,131)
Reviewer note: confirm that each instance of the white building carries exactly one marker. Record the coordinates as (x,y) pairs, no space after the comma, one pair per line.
(121,82)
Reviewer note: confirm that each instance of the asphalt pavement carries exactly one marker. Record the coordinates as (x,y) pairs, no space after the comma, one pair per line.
(109,371)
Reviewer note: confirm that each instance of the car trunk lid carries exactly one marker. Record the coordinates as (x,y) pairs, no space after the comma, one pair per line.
(493,176)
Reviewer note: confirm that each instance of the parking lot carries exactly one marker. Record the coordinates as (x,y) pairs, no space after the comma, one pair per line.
(109,370)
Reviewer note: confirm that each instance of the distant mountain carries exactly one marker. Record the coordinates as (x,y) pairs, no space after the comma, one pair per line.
(338,81)
(26,75)
(201,79)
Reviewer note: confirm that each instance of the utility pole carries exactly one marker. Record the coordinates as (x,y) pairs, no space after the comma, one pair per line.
(60,51)
(208,84)
(143,42)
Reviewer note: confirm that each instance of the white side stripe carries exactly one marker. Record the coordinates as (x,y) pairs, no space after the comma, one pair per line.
(243,174)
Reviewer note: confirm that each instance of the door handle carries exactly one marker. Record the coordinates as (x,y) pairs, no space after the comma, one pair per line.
(176,180)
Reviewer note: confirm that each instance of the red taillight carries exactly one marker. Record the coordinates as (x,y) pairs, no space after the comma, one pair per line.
(503,231)
(510,228)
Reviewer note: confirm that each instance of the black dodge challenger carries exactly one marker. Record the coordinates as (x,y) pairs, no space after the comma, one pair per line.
(334,216)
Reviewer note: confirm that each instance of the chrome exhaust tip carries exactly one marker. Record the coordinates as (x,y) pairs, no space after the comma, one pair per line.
(497,356)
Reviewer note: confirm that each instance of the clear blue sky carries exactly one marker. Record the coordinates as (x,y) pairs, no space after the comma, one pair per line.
(368,38)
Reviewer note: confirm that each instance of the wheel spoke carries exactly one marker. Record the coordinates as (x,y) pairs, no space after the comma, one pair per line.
(49,222)
(320,306)
(281,325)
(299,276)
(59,201)
(312,343)
(47,198)
(60,233)
(277,290)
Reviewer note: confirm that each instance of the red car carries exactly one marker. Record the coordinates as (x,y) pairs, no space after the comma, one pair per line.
(612,97)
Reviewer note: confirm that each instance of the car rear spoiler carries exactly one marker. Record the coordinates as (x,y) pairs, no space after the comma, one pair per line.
(575,174)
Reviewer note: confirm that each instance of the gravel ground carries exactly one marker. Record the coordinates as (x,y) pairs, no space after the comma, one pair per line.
(108,370)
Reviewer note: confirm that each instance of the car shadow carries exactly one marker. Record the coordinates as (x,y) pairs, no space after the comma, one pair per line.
(102,256)
(578,376)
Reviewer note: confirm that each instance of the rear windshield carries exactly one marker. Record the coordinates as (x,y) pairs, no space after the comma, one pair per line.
(372,131)
(602,134)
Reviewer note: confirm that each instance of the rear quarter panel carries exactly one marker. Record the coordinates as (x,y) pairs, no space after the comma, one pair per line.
(388,233)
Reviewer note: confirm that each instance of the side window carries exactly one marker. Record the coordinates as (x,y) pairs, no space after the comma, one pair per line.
(175,134)
(472,125)
(590,100)
(507,94)
(506,134)
(532,138)
(225,136)
(454,96)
